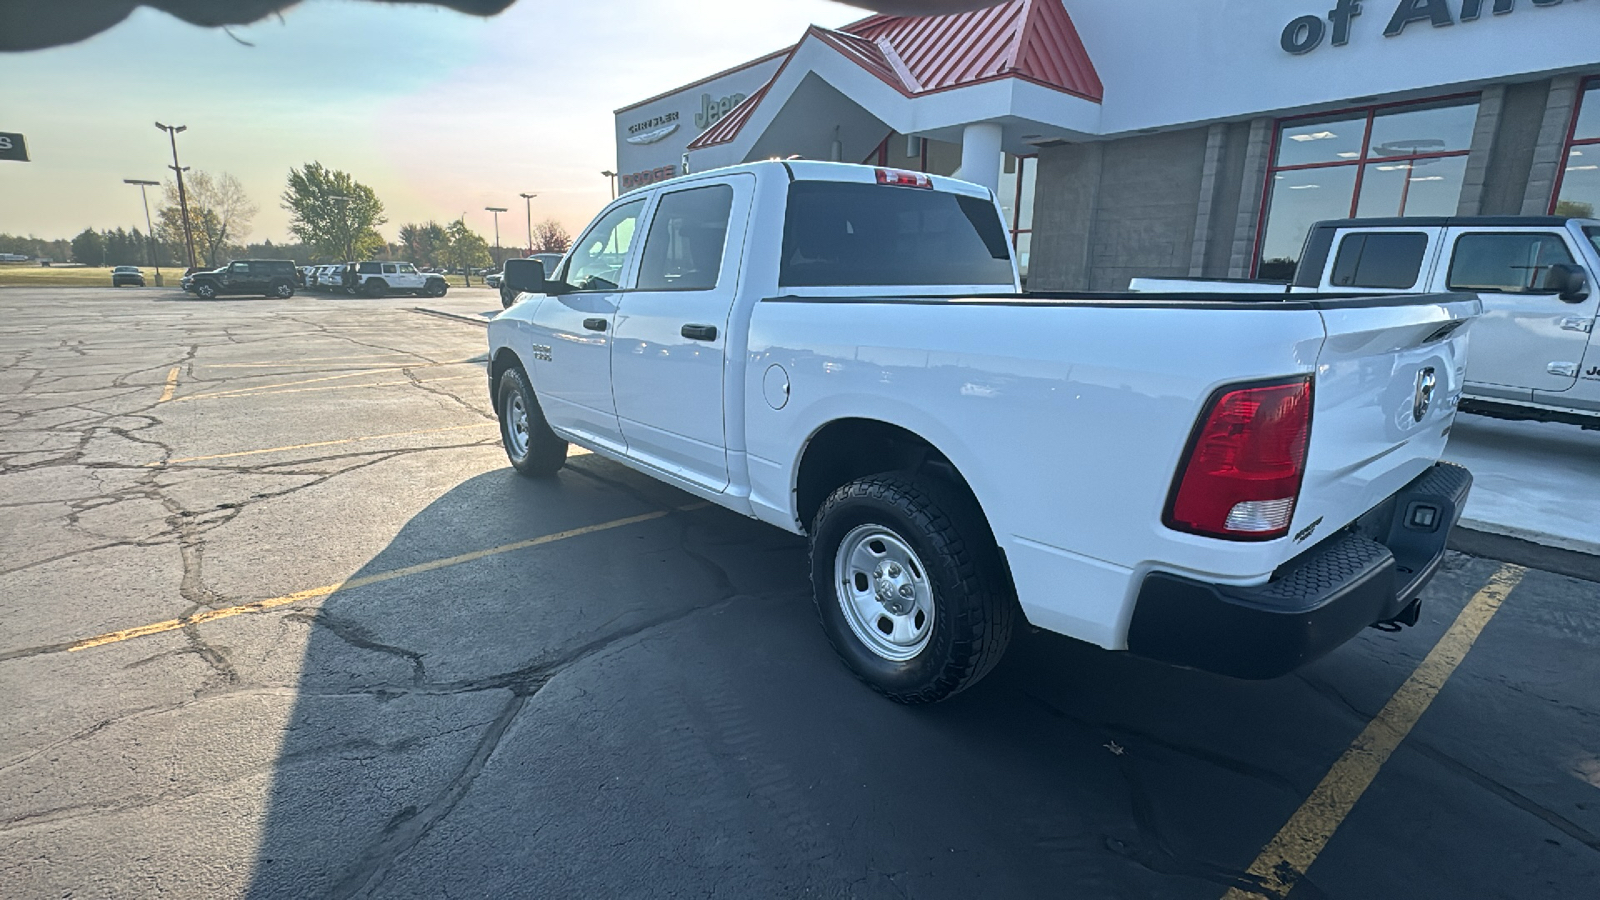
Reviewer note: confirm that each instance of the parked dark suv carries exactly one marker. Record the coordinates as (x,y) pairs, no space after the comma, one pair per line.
(267,277)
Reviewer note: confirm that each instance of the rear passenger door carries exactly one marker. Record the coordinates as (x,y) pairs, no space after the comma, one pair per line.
(1526,339)
(669,355)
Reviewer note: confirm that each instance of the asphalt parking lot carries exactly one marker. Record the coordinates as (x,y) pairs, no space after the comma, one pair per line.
(278,620)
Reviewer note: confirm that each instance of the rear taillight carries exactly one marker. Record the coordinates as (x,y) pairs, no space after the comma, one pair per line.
(1246,460)
(904,179)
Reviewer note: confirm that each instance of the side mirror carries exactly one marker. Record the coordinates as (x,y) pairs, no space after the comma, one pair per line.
(524,276)
(1567,281)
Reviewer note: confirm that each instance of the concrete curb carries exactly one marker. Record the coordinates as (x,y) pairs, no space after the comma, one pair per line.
(476,320)
(1523,552)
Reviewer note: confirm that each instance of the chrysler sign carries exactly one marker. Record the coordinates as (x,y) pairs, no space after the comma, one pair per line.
(1307,33)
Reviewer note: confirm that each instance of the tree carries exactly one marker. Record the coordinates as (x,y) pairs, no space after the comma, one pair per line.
(466,248)
(424,244)
(220,213)
(341,228)
(550,237)
(89,248)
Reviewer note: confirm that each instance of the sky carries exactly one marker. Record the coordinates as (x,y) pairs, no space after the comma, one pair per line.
(439,112)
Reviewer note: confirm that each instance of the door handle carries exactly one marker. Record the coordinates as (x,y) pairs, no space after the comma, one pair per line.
(699,332)
(595,324)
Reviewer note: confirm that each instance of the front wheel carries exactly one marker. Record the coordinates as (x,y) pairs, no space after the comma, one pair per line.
(436,288)
(205,291)
(910,587)
(534,450)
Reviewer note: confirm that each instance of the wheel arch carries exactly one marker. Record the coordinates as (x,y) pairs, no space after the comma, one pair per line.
(504,358)
(849,448)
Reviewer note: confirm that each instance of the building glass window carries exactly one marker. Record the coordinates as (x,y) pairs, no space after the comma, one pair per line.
(1398,160)
(1578,194)
(1017,179)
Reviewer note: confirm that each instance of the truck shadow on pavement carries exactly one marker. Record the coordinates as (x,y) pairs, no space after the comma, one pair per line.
(651,710)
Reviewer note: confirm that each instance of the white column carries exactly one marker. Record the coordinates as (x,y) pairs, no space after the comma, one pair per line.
(980,155)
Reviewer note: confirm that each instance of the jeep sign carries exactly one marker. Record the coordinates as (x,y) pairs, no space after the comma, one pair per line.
(12,146)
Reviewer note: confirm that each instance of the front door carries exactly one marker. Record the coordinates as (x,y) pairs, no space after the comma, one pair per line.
(1528,339)
(669,353)
(571,331)
(407,278)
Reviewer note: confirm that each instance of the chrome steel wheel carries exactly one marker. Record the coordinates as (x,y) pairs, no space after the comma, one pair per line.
(884,591)
(517,422)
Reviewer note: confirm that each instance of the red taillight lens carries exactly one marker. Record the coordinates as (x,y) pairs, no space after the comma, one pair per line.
(904,179)
(1245,464)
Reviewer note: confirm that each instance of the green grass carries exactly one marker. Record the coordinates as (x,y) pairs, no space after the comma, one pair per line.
(35,275)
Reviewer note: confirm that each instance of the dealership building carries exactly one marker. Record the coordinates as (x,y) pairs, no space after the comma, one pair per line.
(1173,137)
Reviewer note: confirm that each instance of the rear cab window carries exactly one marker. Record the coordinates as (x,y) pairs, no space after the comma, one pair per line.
(851,234)
(1506,262)
(1379,260)
(688,234)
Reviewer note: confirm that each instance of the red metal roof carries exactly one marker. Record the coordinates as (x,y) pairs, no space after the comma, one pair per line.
(1032,39)
(1029,39)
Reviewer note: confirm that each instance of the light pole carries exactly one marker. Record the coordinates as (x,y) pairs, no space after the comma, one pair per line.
(150,230)
(611,179)
(183,198)
(497,210)
(529,199)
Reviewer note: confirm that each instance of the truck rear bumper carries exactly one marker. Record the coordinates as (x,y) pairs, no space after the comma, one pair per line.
(1368,574)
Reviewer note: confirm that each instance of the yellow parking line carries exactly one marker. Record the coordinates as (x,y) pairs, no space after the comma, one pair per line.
(264,387)
(1287,858)
(226,612)
(334,387)
(354,440)
(172,384)
(308,359)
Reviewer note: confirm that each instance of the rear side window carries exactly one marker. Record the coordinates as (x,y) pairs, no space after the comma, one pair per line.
(838,234)
(368,268)
(683,251)
(1379,260)
(1508,263)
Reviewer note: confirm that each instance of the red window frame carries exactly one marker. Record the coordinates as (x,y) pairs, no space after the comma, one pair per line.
(1361,162)
(1584,86)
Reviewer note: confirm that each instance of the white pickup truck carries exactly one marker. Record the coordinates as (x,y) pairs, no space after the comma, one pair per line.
(843,352)
(1535,350)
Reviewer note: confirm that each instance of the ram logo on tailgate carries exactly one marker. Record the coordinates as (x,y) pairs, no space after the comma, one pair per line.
(1427,380)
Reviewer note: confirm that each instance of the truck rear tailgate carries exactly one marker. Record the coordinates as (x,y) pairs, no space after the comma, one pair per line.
(1387,382)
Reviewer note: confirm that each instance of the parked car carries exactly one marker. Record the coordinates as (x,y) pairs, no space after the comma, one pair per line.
(493,279)
(1536,350)
(379,279)
(855,362)
(187,281)
(267,277)
(122,275)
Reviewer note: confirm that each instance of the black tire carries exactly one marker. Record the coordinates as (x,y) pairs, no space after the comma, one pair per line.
(375,287)
(545,453)
(974,605)
(283,290)
(436,288)
(506,298)
(205,291)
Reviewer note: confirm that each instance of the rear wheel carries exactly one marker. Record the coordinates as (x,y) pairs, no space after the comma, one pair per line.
(534,450)
(375,287)
(910,587)
(283,290)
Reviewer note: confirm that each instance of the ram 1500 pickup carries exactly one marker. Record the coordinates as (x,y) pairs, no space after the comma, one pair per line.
(1535,350)
(843,352)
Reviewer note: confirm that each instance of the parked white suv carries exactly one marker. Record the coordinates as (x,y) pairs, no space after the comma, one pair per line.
(378,279)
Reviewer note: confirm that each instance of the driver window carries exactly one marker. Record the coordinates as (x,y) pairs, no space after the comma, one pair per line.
(407,269)
(388,269)
(596,260)
(240,268)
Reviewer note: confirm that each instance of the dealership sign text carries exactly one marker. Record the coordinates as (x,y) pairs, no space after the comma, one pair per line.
(1307,33)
